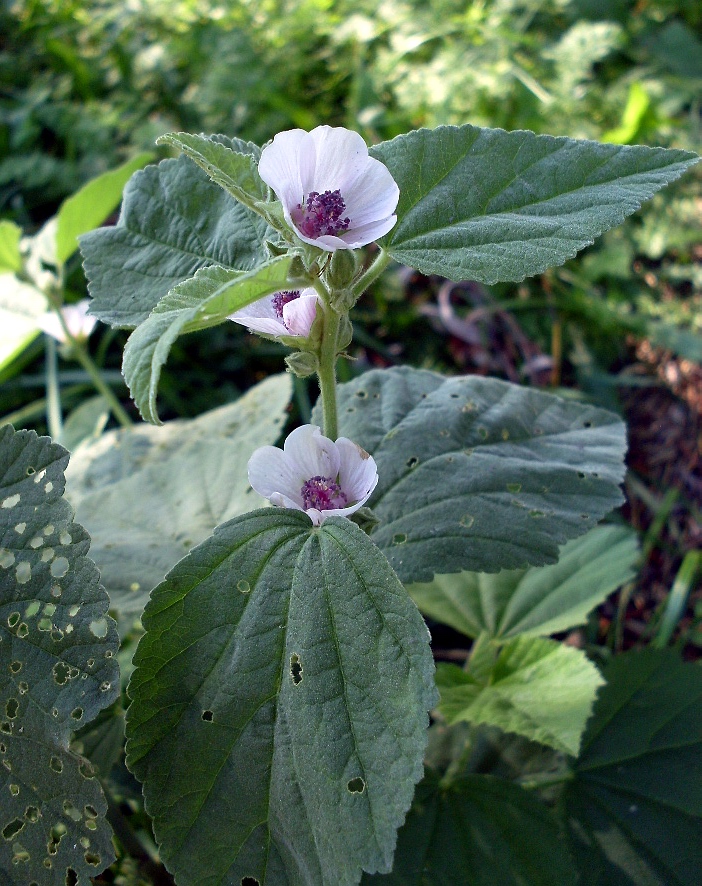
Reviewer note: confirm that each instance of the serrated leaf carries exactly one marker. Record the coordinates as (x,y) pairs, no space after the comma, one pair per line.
(538,688)
(20,306)
(10,256)
(476,473)
(489,205)
(279,705)
(90,206)
(635,806)
(174,221)
(479,831)
(148,495)
(233,168)
(57,671)
(537,601)
(205,300)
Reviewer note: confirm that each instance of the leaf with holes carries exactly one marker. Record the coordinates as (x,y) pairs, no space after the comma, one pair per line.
(57,671)
(537,601)
(174,221)
(479,830)
(233,168)
(538,688)
(279,705)
(489,205)
(634,808)
(475,473)
(205,300)
(148,495)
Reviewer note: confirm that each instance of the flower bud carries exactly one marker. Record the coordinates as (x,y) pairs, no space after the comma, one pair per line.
(342,268)
(345,336)
(302,363)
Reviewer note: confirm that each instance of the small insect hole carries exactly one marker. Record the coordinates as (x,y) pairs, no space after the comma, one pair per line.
(13,828)
(296,669)
(412,462)
(356,786)
(208,716)
(249,881)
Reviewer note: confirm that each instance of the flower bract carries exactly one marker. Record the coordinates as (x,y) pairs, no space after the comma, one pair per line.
(284,313)
(334,195)
(314,474)
(80,323)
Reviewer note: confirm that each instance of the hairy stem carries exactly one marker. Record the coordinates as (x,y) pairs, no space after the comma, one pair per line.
(54,419)
(327,372)
(371,274)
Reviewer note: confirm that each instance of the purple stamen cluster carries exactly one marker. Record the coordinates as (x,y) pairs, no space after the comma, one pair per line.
(320,215)
(322,493)
(280,299)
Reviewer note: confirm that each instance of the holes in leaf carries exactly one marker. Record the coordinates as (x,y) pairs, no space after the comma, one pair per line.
(7,558)
(90,812)
(22,631)
(31,470)
(399,538)
(249,881)
(91,825)
(32,609)
(85,842)
(14,790)
(92,858)
(77,713)
(20,527)
(296,669)
(13,828)
(16,667)
(71,877)
(467,521)
(11,501)
(23,572)
(65,538)
(356,786)
(59,567)
(23,687)
(73,610)
(61,673)
(56,591)
(581,475)
(98,628)
(454,396)
(44,624)
(56,834)
(71,811)
(56,764)
(483,433)
(11,708)
(32,814)
(105,685)
(208,716)
(243,586)
(21,856)
(6,727)
(412,462)
(587,424)
(85,769)
(36,542)
(514,487)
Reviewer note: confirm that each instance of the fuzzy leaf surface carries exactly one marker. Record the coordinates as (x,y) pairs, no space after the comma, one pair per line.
(279,705)
(489,205)
(538,688)
(57,671)
(205,300)
(147,495)
(635,807)
(174,221)
(476,473)
(538,601)
(479,832)
(233,168)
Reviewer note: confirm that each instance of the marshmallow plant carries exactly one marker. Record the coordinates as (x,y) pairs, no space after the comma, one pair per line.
(282,691)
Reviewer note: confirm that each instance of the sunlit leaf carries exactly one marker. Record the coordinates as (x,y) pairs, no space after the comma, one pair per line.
(20,306)
(10,256)
(57,671)
(279,705)
(489,205)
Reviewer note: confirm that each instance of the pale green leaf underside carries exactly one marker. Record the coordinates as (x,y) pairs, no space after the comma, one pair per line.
(90,206)
(279,707)
(234,170)
(10,256)
(57,671)
(475,473)
(537,601)
(205,300)
(539,688)
(480,830)
(147,495)
(489,205)
(20,307)
(174,221)
(635,806)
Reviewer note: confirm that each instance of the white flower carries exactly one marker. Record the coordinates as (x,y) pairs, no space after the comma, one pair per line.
(79,323)
(313,474)
(334,195)
(283,313)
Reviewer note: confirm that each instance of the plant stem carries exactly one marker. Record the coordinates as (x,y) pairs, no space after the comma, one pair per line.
(381,261)
(458,766)
(54,420)
(327,372)
(82,356)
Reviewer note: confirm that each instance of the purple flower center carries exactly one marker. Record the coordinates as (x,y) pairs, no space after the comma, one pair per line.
(280,299)
(322,493)
(320,215)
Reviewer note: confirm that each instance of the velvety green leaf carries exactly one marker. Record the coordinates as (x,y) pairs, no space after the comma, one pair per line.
(538,688)
(10,256)
(635,806)
(481,831)
(537,601)
(57,671)
(234,170)
(90,206)
(174,221)
(147,495)
(489,205)
(20,306)
(205,300)
(475,473)
(279,707)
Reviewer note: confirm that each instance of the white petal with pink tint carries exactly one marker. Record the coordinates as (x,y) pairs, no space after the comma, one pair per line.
(298,315)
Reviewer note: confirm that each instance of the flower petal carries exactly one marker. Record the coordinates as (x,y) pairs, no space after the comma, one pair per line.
(358,472)
(310,454)
(287,166)
(272,473)
(374,195)
(342,156)
(299,315)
